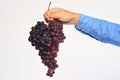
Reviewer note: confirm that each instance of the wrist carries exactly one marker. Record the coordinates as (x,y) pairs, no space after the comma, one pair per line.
(76,18)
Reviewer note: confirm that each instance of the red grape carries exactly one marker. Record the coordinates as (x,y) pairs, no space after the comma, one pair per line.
(46,39)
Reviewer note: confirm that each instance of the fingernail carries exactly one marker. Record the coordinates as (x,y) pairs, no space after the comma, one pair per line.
(51,19)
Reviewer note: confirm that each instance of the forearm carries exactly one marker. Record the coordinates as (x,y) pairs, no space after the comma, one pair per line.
(101,30)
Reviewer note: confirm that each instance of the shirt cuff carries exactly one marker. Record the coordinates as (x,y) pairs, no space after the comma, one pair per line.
(84,23)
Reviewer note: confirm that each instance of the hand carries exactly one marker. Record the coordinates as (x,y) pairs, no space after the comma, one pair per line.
(63,15)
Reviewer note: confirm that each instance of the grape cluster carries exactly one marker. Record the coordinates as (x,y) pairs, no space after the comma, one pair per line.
(46,39)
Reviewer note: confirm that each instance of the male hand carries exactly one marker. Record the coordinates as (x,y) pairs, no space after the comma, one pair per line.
(65,16)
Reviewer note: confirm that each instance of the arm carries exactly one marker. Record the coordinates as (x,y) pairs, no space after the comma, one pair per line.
(99,29)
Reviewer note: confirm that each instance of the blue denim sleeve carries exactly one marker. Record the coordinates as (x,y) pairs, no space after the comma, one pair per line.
(101,30)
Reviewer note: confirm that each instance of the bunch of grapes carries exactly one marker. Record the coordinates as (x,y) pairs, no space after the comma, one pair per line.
(46,39)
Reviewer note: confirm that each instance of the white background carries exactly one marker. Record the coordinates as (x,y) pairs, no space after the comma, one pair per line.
(80,57)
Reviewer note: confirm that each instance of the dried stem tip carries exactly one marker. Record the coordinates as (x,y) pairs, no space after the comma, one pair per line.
(48,9)
(49,5)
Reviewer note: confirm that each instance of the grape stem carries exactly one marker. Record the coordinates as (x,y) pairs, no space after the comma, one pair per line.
(48,10)
(49,5)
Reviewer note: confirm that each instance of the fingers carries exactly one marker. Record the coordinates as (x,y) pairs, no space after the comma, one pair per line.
(51,14)
(48,16)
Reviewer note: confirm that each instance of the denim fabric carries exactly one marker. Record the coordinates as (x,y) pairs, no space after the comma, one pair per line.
(102,30)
